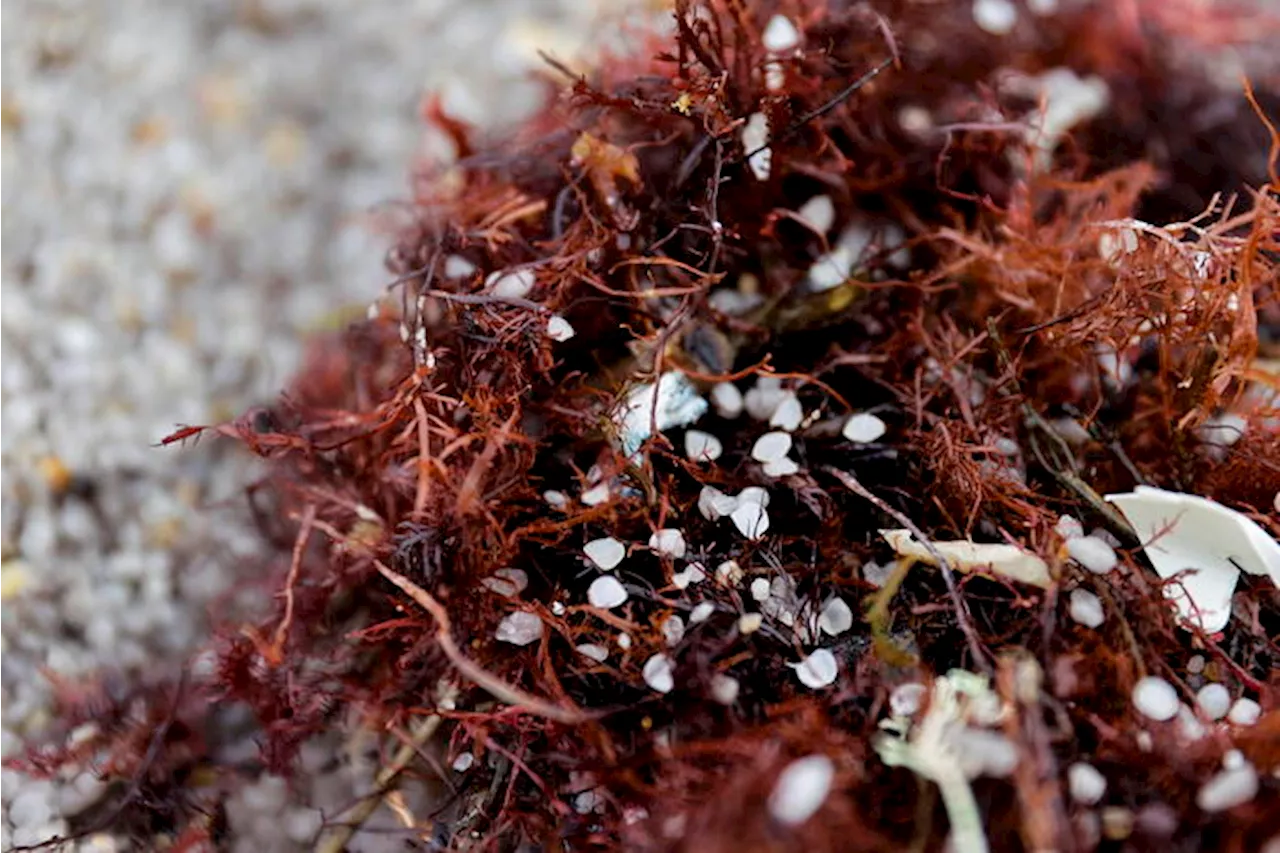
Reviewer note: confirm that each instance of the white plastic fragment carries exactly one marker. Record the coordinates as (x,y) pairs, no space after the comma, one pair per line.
(1155,698)
(606,592)
(1085,783)
(727,400)
(1228,789)
(1006,561)
(671,402)
(784,467)
(817,670)
(623,640)
(836,266)
(755,136)
(724,688)
(751,519)
(519,628)
(596,495)
(771,447)
(689,575)
(702,446)
(819,213)
(836,617)
(906,699)
(606,552)
(714,504)
(1185,532)
(1086,608)
(754,495)
(701,612)
(668,542)
(862,428)
(555,499)
(789,413)
(1068,527)
(997,17)
(780,35)
(593,651)
(509,582)
(1213,701)
(558,329)
(760,589)
(463,762)
(1093,554)
(510,284)
(659,673)
(801,789)
(763,400)
(456,266)
(673,630)
(1244,712)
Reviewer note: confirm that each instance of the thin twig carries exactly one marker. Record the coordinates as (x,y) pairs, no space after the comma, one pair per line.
(474,672)
(962,609)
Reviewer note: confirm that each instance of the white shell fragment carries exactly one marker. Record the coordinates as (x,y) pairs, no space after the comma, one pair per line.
(519,629)
(1185,532)
(780,35)
(593,651)
(670,402)
(507,582)
(863,428)
(659,673)
(818,670)
(1086,608)
(819,213)
(558,329)
(751,519)
(668,542)
(1213,701)
(727,400)
(702,446)
(801,789)
(1092,553)
(606,553)
(771,447)
(1007,561)
(724,688)
(755,136)
(1085,783)
(836,617)
(1155,698)
(606,592)
(510,284)
(1230,788)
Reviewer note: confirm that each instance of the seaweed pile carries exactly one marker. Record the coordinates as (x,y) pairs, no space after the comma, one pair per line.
(715,474)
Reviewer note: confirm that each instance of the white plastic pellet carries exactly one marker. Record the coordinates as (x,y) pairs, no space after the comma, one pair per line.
(724,688)
(789,413)
(519,629)
(558,329)
(1213,701)
(659,673)
(702,446)
(818,670)
(1092,553)
(863,428)
(819,213)
(771,447)
(780,34)
(836,617)
(1155,698)
(1228,789)
(727,400)
(801,789)
(510,284)
(1086,608)
(1245,712)
(1085,783)
(751,519)
(606,592)
(668,542)
(606,553)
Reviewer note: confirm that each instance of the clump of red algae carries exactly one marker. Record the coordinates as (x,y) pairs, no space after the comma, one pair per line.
(1011,254)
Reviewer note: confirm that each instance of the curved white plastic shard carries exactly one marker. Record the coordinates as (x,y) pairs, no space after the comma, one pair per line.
(1205,542)
(670,402)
